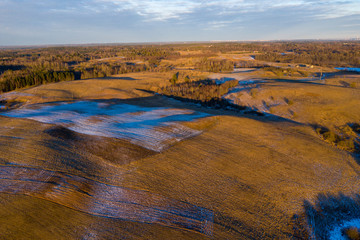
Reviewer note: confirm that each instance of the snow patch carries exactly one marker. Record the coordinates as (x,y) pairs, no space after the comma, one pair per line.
(5,96)
(348,69)
(149,127)
(336,232)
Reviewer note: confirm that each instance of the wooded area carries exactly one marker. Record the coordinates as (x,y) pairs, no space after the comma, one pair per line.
(33,66)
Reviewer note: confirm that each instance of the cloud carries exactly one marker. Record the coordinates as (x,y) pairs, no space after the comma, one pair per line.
(162,10)
(177,20)
(154,10)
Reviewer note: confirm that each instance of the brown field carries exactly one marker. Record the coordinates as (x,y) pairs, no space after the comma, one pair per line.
(243,177)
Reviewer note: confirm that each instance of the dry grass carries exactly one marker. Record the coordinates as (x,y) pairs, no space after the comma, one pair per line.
(326,105)
(253,173)
(237,167)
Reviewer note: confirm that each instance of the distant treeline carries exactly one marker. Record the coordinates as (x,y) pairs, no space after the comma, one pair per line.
(33,66)
(213,65)
(325,58)
(332,54)
(14,81)
(28,67)
(69,56)
(344,53)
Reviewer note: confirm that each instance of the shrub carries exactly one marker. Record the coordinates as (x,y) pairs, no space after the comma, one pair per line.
(331,137)
(212,65)
(352,233)
(271,110)
(174,78)
(346,144)
(318,130)
(187,79)
(254,92)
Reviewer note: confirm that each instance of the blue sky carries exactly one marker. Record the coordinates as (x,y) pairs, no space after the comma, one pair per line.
(33,22)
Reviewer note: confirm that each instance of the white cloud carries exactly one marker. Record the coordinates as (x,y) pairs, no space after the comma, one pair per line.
(29,21)
(155,10)
(162,10)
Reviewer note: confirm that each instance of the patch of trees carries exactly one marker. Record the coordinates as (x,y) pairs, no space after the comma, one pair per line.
(250,64)
(106,69)
(150,52)
(283,72)
(347,139)
(207,92)
(214,65)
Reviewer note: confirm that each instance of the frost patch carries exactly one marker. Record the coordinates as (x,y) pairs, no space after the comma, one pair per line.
(337,232)
(149,127)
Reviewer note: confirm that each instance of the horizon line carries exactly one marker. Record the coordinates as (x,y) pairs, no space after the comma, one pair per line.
(169,42)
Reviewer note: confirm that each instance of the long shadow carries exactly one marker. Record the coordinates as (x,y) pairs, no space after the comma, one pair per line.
(66,92)
(214,107)
(119,78)
(329,216)
(321,78)
(310,82)
(342,72)
(117,89)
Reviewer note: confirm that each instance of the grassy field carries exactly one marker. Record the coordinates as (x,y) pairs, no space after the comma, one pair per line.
(244,176)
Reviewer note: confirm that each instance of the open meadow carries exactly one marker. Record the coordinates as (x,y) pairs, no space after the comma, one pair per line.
(181,141)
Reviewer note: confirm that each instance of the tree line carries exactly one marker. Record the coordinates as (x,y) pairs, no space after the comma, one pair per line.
(15,81)
(33,66)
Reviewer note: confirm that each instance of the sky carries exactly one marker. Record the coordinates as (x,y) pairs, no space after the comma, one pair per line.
(38,22)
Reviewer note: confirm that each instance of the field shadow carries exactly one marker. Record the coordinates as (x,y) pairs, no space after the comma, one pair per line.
(117,151)
(328,217)
(66,93)
(117,89)
(119,78)
(213,107)
(317,82)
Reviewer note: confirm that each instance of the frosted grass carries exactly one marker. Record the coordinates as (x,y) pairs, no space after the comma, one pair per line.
(154,128)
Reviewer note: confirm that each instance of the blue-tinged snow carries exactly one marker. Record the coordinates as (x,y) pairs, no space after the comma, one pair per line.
(348,69)
(154,128)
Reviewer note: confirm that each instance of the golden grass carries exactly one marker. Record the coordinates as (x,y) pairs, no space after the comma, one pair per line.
(326,105)
(254,173)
